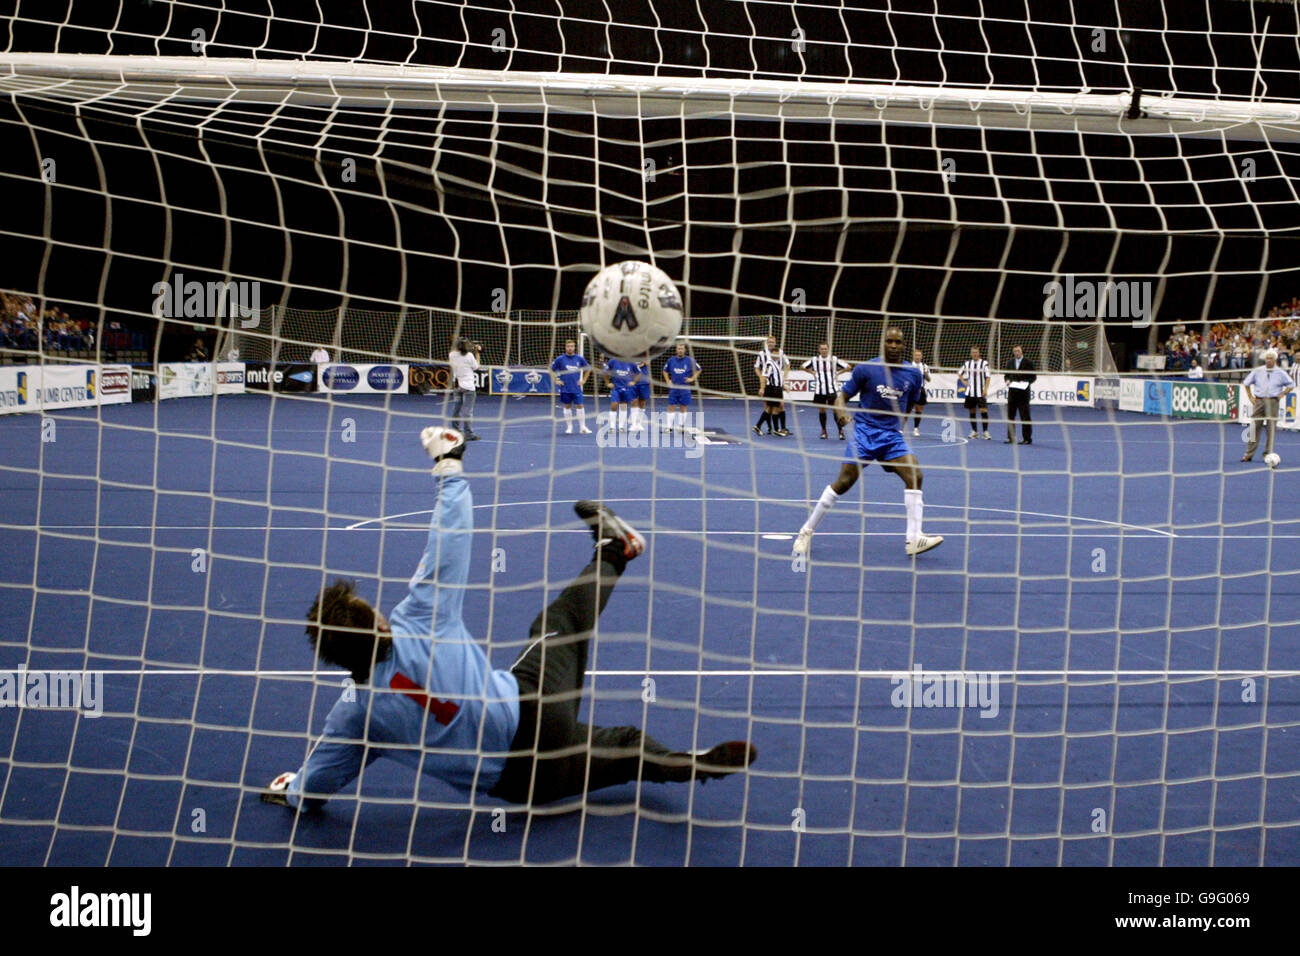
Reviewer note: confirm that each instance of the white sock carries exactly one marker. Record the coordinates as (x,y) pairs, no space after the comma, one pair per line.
(824,504)
(582,417)
(638,416)
(622,417)
(568,417)
(912,502)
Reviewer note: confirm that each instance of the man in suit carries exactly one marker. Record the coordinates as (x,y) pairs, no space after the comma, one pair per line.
(1019,377)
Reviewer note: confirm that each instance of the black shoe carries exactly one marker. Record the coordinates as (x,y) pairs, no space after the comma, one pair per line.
(841,436)
(757,430)
(607,527)
(472,436)
(712,764)
(1009,441)
(782,433)
(1026,441)
(824,435)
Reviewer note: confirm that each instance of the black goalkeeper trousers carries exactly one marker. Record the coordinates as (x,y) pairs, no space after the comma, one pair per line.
(556,756)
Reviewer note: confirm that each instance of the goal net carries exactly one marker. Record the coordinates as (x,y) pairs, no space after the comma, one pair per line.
(1099,665)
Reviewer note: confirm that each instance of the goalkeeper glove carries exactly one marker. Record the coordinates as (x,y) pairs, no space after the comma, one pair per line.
(445,446)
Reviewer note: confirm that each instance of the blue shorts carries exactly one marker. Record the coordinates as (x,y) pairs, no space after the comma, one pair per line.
(571,398)
(679,396)
(643,390)
(623,395)
(875,444)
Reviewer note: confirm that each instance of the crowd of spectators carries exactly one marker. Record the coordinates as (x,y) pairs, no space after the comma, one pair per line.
(1240,345)
(24,327)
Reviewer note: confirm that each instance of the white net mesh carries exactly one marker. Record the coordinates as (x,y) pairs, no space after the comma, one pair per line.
(1098,665)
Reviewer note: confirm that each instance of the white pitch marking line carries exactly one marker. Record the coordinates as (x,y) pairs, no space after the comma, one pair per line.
(803,672)
(1007,511)
(775,536)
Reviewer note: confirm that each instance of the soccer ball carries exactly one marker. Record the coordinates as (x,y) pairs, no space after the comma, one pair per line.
(631,311)
(1272,459)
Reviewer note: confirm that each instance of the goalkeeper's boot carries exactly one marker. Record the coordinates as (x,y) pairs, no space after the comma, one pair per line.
(609,529)
(713,764)
(924,542)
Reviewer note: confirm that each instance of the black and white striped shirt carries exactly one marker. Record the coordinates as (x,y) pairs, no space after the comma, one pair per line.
(771,365)
(922,368)
(824,371)
(976,372)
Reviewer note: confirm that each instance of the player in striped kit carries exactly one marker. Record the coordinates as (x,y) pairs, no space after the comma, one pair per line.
(975,373)
(918,361)
(825,367)
(771,366)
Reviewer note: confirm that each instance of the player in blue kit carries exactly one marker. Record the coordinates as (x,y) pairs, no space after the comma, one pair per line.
(570,372)
(642,389)
(680,372)
(622,377)
(886,391)
(427,697)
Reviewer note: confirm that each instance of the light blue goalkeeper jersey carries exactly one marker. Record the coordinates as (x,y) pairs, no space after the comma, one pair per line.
(430,701)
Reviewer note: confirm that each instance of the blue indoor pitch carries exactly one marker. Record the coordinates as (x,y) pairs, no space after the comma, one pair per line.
(186,540)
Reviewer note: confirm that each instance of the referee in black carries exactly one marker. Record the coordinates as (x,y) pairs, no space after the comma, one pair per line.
(1019,377)
(975,373)
(825,367)
(771,366)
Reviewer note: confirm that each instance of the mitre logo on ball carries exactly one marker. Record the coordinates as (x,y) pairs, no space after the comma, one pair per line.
(631,311)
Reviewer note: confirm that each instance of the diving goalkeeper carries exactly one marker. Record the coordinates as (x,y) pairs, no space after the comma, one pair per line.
(427,697)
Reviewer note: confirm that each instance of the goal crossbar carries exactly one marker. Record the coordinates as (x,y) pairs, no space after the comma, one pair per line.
(336,85)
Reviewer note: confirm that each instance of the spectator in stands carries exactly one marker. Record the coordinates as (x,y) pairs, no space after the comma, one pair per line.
(321,356)
(1195,372)
(1239,349)
(198,353)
